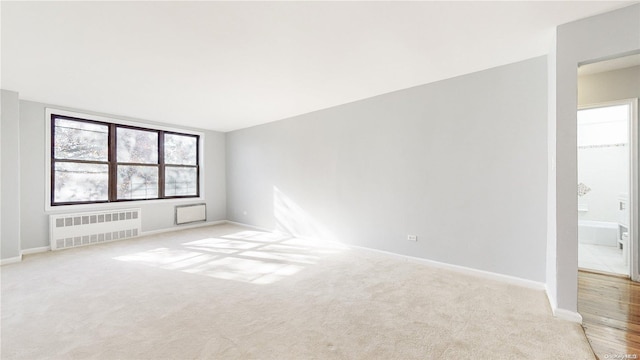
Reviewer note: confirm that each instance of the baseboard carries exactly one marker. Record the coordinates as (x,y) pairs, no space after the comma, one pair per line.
(567,315)
(36,250)
(153,232)
(462,269)
(11,260)
(248,226)
(562,313)
(183,227)
(559,313)
(553,302)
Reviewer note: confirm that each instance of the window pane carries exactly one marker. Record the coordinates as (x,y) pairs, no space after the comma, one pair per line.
(81,182)
(180,181)
(603,126)
(137,182)
(80,140)
(137,146)
(180,149)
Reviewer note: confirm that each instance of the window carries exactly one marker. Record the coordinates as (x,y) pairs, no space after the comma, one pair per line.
(100,162)
(603,125)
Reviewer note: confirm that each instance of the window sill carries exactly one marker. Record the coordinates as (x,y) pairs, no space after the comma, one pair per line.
(118,205)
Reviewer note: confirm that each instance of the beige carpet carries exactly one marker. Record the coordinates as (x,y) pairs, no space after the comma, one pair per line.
(226,292)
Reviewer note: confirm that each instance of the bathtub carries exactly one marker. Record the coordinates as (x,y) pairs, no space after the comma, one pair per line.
(598,232)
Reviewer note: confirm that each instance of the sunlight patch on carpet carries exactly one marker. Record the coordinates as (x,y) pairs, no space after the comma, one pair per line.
(247,256)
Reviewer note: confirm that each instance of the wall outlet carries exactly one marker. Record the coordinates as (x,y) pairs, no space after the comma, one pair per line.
(412,237)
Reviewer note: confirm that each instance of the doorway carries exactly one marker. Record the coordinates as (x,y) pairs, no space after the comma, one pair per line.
(607,149)
(604,186)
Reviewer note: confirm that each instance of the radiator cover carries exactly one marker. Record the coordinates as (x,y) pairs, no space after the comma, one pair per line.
(87,228)
(186,214)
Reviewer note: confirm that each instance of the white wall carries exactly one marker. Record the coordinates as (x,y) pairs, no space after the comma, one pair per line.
(609,86)
(10,185)
(461,163)
(156,216)
(596,38)
(552,266)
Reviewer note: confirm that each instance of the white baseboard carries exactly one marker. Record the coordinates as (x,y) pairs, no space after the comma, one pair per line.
(484,274)
(249,226)
(11,260)
(36,250)
(559,313)
(562,313)
(48,248)
(462,269)
(567,315)
(183,227)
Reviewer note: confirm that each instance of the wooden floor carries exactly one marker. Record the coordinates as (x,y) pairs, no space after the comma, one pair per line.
(610,309)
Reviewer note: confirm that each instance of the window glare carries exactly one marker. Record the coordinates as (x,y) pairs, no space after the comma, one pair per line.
(181,181)
(80,140)
(603,126)
(180,149)
(137,182)
(81,182)
(137,146)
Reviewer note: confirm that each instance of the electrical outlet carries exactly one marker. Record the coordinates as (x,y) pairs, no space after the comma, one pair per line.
(412,237)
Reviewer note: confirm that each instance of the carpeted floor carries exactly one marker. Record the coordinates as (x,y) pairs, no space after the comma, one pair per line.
(226,292)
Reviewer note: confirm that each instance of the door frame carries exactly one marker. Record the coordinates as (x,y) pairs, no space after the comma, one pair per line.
(634,246)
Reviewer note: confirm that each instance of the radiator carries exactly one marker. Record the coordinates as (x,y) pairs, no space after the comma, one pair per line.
(72,230)
(191,213)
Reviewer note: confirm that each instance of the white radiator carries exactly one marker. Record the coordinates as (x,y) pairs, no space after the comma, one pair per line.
(72,230)
(191,213)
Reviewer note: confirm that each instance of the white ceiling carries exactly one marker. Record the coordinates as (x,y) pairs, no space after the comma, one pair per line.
(230,65)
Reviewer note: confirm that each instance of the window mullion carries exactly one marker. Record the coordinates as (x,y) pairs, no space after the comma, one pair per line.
(198,166)
(81,161)
(161,164)
(53,159)
(113,166)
